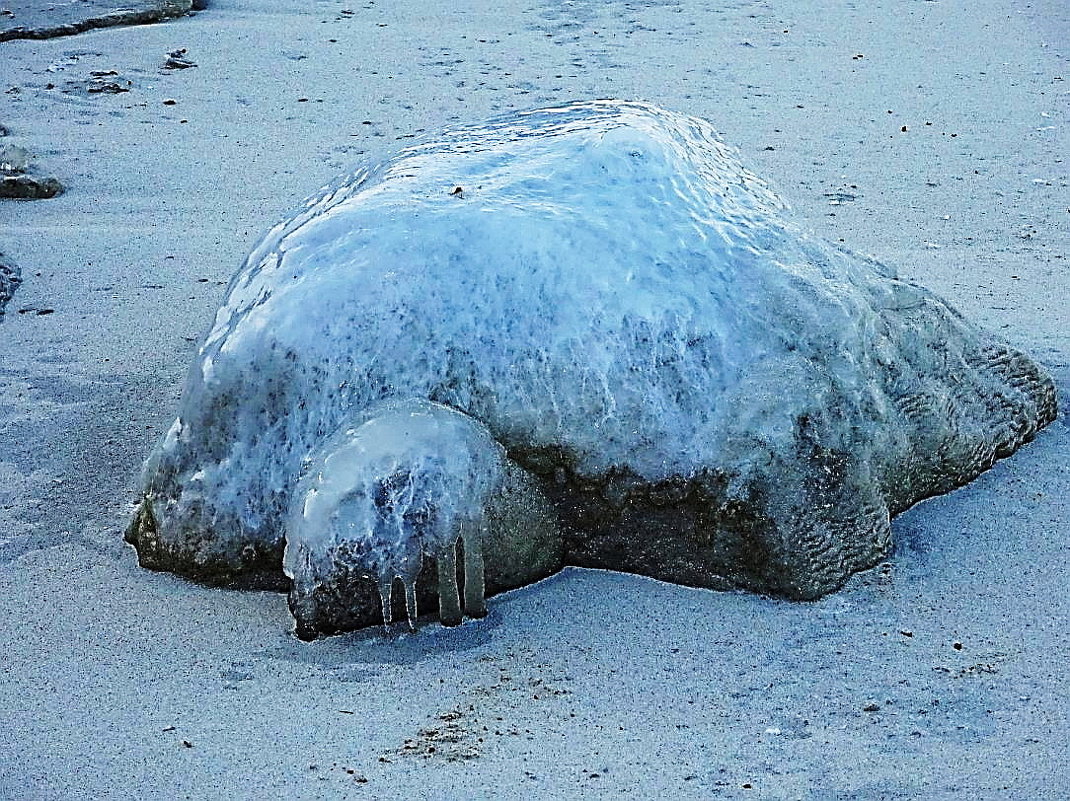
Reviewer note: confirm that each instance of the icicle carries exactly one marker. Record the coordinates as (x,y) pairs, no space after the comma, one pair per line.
(449,602)
(410,602)
(474,587)
(386,592)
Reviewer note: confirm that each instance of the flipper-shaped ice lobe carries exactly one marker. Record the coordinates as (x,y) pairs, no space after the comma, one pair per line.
(403,483)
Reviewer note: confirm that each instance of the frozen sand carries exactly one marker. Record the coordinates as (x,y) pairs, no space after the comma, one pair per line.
(656,689)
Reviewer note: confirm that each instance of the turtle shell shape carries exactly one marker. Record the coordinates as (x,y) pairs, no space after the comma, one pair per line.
(704,392)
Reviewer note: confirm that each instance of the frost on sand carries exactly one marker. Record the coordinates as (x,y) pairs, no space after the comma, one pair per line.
(579,335)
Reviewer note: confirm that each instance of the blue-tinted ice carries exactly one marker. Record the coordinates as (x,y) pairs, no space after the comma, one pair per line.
(698,389)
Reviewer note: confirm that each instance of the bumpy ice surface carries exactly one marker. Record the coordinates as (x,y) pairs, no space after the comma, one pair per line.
(708,394)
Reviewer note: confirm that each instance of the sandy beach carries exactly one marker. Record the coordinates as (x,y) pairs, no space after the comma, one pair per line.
(931,135)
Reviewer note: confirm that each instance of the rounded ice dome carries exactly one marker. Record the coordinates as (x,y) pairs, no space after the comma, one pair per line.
(407,484)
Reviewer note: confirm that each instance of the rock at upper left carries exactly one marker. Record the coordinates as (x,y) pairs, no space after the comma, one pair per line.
(22,180)
(39,19)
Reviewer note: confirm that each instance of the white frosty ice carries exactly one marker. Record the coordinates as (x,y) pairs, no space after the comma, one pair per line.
(707,394)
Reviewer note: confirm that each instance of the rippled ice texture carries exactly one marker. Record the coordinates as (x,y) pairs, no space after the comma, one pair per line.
(614,296)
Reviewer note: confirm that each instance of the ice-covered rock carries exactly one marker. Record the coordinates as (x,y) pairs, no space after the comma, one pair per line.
(706,393)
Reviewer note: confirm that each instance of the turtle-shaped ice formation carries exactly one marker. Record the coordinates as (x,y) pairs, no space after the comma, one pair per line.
(580,335)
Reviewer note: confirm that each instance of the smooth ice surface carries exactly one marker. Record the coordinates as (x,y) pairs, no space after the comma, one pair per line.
(383,494)
(608,291)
